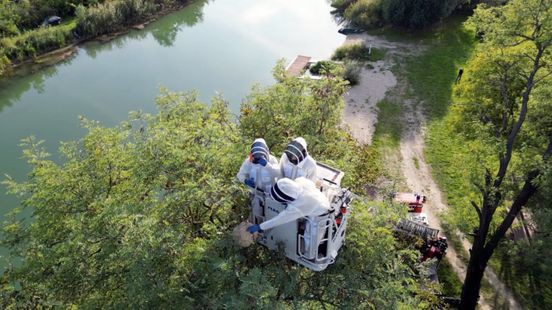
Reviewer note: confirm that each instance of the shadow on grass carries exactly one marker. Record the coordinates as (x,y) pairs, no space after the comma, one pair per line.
(451,285)
(389,126)
(431,75)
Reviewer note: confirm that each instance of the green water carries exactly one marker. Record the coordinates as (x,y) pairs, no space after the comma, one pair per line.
(217,46)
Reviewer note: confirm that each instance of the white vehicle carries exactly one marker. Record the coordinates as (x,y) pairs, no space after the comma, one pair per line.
(419,218)
(313,242)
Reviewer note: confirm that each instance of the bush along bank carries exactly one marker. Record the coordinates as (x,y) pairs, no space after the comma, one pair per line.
(413,14)
(88,22)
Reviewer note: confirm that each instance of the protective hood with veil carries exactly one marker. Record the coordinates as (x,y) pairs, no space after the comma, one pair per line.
(263,177)
(296,161)
(302,197)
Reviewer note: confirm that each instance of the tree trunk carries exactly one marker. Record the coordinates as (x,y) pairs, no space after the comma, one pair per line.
(472,283)
(477,263)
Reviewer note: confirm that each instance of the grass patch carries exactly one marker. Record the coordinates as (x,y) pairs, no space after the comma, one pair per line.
(389,126)
(451,285)
(358,52)
(432,74)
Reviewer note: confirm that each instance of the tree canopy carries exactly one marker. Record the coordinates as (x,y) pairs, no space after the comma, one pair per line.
(501,104)
(139,215)
(413,14)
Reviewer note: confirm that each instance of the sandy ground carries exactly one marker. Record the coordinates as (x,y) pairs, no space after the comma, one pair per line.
(361,112)
(361,116)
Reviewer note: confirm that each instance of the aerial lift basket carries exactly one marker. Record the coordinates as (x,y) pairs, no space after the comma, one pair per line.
(313,242)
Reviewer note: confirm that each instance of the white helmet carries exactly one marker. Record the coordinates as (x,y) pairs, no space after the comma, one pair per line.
(296,150)
(285,190)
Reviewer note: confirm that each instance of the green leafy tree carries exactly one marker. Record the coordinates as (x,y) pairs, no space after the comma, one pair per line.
(110,224)
(417,14)
(502,99)
(413,14)
(8,19)
(311,109)
(138,216)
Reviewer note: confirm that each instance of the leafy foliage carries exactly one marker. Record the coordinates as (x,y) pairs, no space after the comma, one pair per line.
(357,52)
(325,67)
(104,18)
(8,18)
(139,215)
(352,72)
(418,14)
(31,43)
(413,14)
(365,13)
(494,104)
(22,38)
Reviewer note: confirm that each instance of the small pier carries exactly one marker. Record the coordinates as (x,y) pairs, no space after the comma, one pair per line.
(297,66)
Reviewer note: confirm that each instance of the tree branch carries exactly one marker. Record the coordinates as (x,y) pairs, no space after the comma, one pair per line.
(477,209)
(521,200)
(505,160)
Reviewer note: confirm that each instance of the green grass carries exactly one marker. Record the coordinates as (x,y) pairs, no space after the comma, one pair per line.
(451,285)
(358,52)
(431,74)
(416,162)
(389,126)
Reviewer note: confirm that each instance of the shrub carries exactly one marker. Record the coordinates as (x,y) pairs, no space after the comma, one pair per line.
(341,4)
(405,13)
(325,67)
(107,17)
(352,72)
(5,63)
(8,18)
(417,13)
(365,14)
(358,52)
(33,42)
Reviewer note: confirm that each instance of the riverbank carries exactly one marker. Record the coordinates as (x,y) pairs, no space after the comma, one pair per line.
(63,42)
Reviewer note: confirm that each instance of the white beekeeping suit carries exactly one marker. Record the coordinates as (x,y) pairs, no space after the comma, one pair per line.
(260,169)
(296,162)
(303,200)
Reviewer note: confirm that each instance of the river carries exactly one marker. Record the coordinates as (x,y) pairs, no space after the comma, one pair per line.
(210,46)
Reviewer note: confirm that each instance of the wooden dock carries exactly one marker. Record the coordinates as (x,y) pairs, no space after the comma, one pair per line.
(297,66)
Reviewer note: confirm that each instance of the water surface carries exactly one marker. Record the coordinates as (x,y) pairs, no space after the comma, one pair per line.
(210,46)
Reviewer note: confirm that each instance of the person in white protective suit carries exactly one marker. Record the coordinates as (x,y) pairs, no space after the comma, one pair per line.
(259,169)
(259,172)
(302,199)
(296,161)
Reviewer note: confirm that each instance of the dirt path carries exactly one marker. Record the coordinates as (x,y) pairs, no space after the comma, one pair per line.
(361,116)
(418,177)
